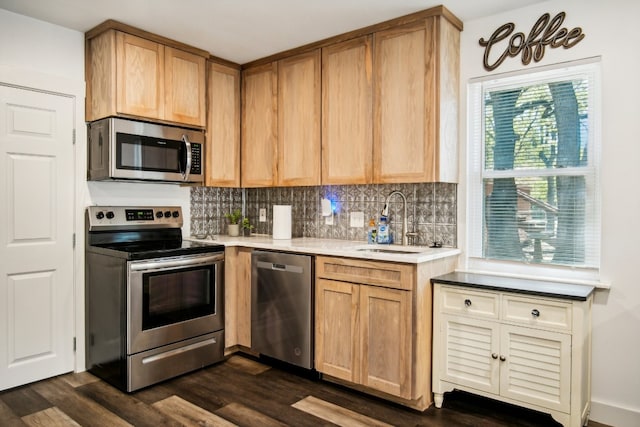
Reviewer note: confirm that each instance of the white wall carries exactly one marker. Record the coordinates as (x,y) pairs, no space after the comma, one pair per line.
(611,30)
(40,55)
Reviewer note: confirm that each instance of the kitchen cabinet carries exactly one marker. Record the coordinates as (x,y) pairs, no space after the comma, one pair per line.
(416,78)
(532,351)
(259,126)
(373,326)
(237,297)
(134,76)
(299,120)
(281,123)
(347,105)
(223,126)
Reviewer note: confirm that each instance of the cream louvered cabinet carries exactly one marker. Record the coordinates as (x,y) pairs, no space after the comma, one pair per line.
(532,351)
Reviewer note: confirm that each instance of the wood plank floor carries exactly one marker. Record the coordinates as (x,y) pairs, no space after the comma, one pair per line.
(240,392)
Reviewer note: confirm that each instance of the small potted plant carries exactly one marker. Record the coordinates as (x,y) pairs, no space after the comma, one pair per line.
(234,222)
(246,226)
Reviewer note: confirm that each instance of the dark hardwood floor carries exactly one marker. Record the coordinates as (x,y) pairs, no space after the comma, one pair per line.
(243,392)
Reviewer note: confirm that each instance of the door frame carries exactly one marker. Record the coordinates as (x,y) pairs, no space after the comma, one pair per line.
(25,78)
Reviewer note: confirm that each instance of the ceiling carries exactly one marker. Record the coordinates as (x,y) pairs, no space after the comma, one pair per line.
(244,30)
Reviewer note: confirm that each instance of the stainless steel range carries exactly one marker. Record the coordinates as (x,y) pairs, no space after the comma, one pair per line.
(154,303)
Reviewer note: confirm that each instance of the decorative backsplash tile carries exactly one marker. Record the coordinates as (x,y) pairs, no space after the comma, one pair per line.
(431,209)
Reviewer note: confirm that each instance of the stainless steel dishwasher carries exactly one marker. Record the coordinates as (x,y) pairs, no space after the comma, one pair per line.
(282,307)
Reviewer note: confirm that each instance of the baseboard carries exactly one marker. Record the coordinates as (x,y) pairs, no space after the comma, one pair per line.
(607,413)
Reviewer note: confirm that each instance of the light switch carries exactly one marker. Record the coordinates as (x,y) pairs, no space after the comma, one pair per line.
(326,207)
(356,219)
(263,215)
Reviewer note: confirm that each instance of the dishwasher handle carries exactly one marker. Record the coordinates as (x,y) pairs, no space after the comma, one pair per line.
(279,267)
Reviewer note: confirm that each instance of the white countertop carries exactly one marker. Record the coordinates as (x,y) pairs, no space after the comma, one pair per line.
(341,248)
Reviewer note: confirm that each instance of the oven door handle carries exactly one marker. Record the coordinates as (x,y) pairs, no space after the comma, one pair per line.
(173,263)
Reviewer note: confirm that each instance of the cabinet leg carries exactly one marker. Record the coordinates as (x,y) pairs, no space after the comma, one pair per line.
(438,398)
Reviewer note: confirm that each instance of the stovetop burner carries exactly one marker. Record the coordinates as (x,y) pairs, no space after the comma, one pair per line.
(136,233)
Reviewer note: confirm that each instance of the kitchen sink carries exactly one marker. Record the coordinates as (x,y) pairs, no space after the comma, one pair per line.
(391,250)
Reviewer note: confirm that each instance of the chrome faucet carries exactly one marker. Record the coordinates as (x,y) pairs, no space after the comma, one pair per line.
(385,212)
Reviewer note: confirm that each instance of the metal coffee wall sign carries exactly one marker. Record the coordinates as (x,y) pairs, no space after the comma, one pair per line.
(545,32)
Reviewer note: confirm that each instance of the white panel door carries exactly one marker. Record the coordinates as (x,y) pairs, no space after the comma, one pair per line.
(36,235)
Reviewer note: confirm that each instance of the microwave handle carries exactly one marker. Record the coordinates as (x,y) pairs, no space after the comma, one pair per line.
(187,148)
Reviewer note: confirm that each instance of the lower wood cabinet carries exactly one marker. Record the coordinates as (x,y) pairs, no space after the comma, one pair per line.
(373,326)
(237,298)
(529,351)
(365,335)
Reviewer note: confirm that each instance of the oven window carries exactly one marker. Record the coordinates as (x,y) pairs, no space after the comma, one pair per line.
(137,152)
(176,296)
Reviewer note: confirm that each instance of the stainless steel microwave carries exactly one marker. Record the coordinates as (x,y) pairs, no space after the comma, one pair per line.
(121,149)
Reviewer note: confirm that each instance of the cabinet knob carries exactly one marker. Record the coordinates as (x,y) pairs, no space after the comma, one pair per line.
(494,355)
(502,358)
(467,302)
(535,312)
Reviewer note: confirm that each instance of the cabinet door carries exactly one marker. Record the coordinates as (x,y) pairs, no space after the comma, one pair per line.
(101,76)
(237,297)
(223,127)
(259,126)
(405,105)
(386,340)
(185,80)
(139,76)
(347,126)
(337,329)
(537,367)
(299,120)
(471,351)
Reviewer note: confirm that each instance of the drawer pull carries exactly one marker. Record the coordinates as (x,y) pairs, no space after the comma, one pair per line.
(535,312)
(467,302)
(502,358)
(494,355)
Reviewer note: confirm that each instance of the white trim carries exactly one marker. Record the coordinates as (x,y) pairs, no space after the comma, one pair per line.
(476,174)
(595,283)
(608,413)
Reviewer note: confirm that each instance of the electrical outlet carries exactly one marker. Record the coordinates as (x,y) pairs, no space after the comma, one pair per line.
(263,215)
(328,220)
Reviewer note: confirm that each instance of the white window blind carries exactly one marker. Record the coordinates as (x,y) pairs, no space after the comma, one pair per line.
(533,168)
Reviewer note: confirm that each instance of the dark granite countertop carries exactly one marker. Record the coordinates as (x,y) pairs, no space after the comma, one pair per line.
(510,284)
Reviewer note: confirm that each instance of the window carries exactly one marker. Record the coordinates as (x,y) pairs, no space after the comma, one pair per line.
(533,171)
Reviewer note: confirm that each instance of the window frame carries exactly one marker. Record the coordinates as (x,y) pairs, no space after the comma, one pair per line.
(476,173)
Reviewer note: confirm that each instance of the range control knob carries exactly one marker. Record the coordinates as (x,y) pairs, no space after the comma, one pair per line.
(110,215)
(176,214)
(159,214)
(167,214)
(100,215)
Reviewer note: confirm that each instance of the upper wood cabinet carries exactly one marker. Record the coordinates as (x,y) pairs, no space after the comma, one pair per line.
(281,123)
(259,126)
(185,87)
(347,125)
(140,68)
(223,126)
(416,77)
(134,76)
(299,120)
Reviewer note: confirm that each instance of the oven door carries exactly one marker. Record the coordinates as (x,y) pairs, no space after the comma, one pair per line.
(173,299)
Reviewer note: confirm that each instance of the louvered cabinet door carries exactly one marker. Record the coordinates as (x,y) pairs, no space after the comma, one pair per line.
(537,367)
(471,353)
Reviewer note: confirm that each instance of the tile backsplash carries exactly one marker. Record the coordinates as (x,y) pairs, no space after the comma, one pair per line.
(431,209)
